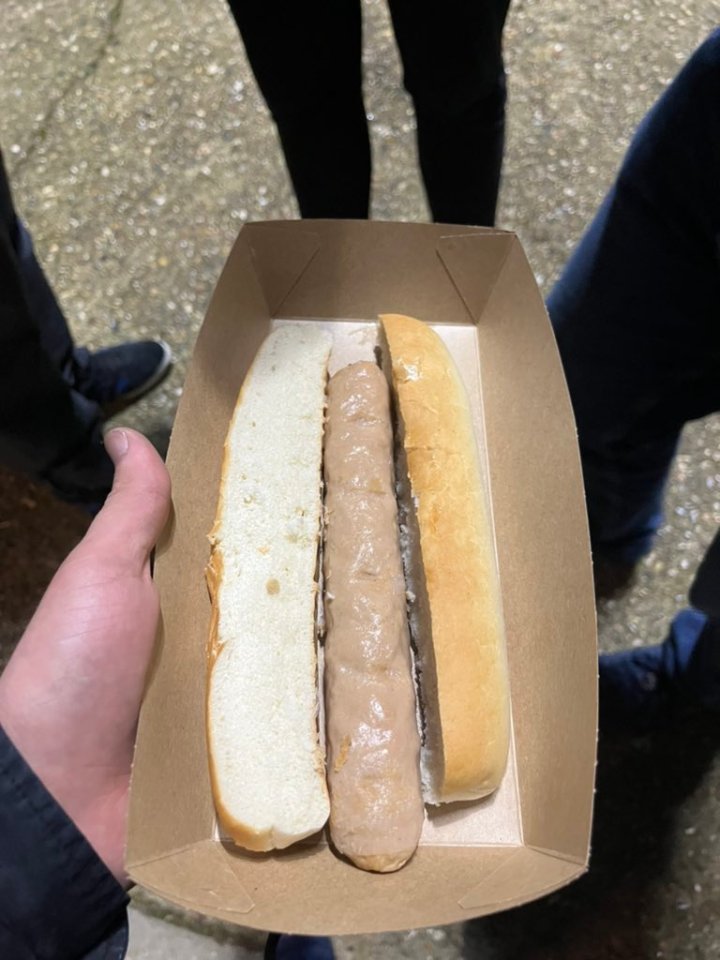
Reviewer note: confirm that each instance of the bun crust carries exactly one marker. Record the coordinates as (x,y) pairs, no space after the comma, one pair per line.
(456,617)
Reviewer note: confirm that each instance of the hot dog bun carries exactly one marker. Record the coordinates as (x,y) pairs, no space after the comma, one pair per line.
(456,616)
(266,765)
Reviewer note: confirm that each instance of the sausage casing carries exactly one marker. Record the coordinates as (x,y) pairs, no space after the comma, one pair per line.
(373,744)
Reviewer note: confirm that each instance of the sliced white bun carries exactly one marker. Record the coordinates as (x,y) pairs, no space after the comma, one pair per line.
(455,610)
(266,764)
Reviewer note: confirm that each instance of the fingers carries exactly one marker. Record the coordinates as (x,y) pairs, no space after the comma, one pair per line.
(128,526)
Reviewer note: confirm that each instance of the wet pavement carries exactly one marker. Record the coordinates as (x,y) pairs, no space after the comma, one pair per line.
(137,145)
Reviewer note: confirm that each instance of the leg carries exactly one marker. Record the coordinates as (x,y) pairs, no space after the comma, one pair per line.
(46,429)
(56,339)
(306,58)
(452,59)
(636,310)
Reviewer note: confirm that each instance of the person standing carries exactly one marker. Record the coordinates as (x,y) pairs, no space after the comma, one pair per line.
(54,396)
(306,58)
(636,313)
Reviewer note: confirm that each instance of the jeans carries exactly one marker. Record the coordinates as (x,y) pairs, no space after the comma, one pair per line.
(306,58)
(47,429)
(636,313)
(637,310)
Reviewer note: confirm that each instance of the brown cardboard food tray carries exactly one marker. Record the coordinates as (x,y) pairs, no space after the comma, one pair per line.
(476,288)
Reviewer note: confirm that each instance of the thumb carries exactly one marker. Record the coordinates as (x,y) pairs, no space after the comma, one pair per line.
(130,522)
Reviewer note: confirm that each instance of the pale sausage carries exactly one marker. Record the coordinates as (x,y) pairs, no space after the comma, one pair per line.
(373,743)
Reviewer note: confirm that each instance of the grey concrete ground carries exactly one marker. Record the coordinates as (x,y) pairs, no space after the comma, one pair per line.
(137,145)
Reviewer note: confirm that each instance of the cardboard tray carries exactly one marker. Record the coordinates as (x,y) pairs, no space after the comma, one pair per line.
(476,288)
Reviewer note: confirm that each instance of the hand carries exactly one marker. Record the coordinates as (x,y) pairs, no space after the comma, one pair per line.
(70,696)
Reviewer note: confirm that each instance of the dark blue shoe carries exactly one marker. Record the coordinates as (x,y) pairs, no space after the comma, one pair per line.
(118,376)
(647,688)
(300,948)
(85,477)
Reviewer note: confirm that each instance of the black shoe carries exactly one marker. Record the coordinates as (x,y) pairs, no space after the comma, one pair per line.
(288,947)
(118,376)
(649,688)
(85,478)
(636,690)
(612,577)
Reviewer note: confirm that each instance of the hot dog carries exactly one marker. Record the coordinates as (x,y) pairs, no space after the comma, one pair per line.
(373,744)
(267,768)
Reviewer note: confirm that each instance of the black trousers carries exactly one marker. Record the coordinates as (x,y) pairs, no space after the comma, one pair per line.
(47,429)
(306,57)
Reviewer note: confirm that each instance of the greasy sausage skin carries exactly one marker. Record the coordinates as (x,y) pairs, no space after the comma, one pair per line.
(373,744)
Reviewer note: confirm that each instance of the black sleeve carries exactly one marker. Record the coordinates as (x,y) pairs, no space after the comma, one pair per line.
(58,900)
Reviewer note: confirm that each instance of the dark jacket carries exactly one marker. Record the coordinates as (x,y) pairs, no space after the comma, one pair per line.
(58,901)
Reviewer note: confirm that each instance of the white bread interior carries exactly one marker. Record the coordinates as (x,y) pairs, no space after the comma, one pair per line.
(455,609)
(266,764)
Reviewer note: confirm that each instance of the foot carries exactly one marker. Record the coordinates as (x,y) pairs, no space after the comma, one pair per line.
(304,948)
(648,688)
(85,478)
(635,690)
(612,577)
(118,376)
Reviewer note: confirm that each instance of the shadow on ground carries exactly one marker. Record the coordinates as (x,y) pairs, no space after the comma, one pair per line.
(37,532)
(612,913)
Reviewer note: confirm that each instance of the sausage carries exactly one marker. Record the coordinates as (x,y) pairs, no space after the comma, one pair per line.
(373,743)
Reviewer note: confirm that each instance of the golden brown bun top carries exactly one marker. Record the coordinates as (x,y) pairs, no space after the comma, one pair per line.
(458,558)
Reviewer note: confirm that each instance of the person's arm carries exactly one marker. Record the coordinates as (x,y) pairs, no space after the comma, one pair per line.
(69,701)
(57,897)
